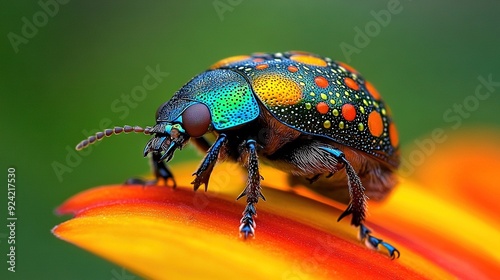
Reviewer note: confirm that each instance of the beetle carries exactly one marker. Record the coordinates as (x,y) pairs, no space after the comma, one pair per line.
(308,115)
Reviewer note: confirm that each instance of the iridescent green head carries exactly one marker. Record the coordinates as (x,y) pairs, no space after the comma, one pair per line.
(214,100)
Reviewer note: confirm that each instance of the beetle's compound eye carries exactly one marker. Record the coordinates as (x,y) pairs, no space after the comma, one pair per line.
(196,120)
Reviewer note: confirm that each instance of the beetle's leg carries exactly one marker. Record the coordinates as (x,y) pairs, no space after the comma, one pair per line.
(252,191)
(206,167)
(373,242)
(357,206)
(160,170)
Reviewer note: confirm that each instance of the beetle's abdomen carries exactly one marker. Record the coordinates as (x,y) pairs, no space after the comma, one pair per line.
(318,96)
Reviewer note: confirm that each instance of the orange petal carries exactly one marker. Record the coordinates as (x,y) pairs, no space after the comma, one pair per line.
(465,170)
(458,213)
(428,227)
(162,233)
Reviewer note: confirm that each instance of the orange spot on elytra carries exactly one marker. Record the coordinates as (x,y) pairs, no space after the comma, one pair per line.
(372,90)
(375,124)
(393,135)
(277,90)
(351,83)
(308,59)
(348,112)
(257,60)
(292,68)
(348,67)
(322,108)
(321,82)
(261,66)
(229,60)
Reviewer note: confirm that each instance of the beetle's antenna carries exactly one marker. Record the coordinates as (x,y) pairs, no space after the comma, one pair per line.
(110,131)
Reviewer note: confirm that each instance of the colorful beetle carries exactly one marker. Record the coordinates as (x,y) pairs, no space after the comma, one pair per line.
(299,112)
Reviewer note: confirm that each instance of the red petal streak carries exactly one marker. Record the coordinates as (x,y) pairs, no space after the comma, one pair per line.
(120,222)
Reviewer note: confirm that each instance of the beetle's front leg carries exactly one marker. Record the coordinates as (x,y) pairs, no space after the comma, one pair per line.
(160,170)
(252,191)
(206,167)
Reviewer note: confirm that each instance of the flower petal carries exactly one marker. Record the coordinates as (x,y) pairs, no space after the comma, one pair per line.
(160,233)
(464,170)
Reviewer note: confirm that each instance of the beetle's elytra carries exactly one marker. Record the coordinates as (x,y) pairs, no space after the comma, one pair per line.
(299,112)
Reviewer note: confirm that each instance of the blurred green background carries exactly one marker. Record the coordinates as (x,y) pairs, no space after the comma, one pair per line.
(72,71)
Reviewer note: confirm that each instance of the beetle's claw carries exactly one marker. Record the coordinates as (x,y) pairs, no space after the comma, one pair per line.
(139,181)
(316,177)
(375,243)
(347,211)
(313,178)
(201,179)
(247,228)
(167,182)
(135,181)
